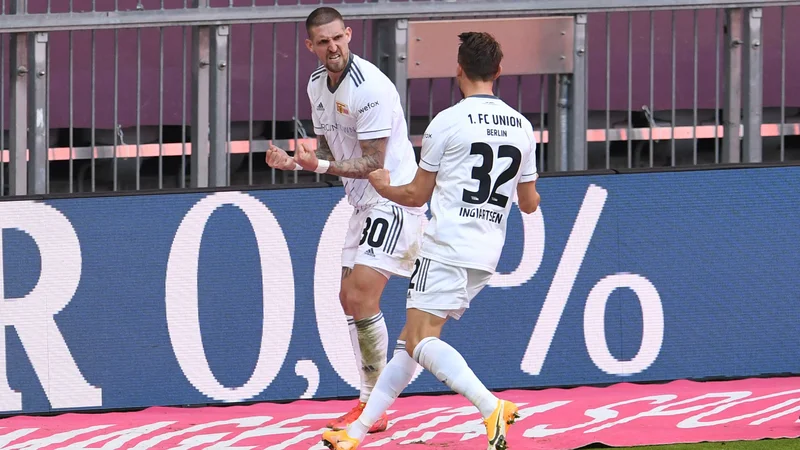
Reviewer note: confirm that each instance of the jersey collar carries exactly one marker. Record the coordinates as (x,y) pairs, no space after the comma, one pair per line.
(484,96)
(345,72)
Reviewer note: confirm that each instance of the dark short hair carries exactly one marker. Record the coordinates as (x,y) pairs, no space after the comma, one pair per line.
(322,16)
(479,55)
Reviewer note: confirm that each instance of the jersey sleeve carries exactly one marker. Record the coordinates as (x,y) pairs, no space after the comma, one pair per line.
(373,108)
(433,144)
(318,130)
(529,171)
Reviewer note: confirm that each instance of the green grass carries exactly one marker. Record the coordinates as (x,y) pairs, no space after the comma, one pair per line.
(767,444)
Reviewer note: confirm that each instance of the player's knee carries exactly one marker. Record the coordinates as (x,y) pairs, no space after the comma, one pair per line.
(414,337)
(354,298)
(419,328)
(343,295)
(345,307)
(349,299)
(411,344)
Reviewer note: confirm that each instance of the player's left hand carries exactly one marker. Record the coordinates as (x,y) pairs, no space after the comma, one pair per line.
(379,179)
(306,157)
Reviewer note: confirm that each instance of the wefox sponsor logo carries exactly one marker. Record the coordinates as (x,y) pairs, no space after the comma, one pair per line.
(369,106)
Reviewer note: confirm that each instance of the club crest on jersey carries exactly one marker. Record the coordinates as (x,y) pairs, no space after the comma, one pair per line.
(341,108)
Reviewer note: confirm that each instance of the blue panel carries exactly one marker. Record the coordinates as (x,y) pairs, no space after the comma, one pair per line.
(720,249)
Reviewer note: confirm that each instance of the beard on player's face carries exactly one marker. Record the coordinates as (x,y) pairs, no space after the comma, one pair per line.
(336,60)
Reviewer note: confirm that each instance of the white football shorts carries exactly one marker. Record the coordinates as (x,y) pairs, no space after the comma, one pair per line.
(384,237)
(444,290)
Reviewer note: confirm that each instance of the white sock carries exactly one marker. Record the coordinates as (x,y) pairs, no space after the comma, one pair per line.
(373,340)
(394,378)
(351,326)
(444,362)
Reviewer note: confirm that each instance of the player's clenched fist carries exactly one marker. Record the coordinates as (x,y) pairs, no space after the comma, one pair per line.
(278,159)
(379,179)
(306,157)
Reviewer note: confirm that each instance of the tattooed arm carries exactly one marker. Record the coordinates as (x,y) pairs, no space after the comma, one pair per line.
(373,153)
(323,149)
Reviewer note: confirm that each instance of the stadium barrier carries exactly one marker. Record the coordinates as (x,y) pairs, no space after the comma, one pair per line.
(117,96)
(221,296)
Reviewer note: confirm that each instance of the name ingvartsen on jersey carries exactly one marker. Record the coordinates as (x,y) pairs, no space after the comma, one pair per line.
(483,214)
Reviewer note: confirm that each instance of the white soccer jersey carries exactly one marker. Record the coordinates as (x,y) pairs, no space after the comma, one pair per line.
(365,105)
(481,149)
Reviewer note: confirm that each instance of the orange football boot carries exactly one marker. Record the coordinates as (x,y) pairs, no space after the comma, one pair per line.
(351,416)
(339,440)
(498,423)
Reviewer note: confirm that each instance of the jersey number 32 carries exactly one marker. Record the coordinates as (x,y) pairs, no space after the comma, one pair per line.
(488,188)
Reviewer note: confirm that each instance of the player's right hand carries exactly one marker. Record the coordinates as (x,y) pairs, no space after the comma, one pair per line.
(279,159)
(379,179)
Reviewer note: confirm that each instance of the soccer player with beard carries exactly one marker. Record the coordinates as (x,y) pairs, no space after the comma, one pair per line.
(361,127)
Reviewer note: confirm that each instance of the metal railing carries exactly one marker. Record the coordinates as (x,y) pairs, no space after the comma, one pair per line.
(114,99)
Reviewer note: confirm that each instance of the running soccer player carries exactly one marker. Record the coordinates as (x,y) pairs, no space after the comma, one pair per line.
(361,127)
(474,156)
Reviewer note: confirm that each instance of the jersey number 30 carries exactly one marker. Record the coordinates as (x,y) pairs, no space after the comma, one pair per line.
(374,232)
(482,174)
